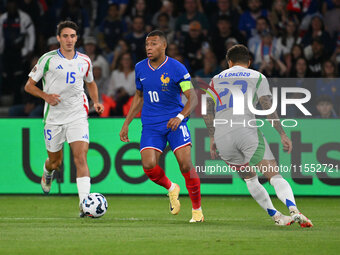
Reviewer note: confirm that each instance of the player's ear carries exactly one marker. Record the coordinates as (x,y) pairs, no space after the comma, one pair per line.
(249,62)
(58,38)
(230,64)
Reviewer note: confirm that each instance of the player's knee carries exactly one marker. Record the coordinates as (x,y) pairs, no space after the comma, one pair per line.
(149,164)
(186,167)
(79,160)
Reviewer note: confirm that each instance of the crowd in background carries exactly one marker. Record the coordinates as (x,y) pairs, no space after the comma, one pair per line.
(286,38)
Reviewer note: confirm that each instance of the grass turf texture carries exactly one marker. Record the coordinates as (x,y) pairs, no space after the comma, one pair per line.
(143,225)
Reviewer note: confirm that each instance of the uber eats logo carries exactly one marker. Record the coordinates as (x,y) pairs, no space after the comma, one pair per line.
(118,162)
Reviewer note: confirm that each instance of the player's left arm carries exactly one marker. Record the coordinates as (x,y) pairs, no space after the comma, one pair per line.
(190,105)
(209,122)
(93,91)
(266,103)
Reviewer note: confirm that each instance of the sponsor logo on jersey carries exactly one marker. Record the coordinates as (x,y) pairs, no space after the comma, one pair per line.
(59,67)
(34,69)
(165,82)
(85,136)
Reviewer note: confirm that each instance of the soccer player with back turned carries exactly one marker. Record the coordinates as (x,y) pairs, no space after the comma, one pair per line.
(63,73)
(245,147)
(160,80)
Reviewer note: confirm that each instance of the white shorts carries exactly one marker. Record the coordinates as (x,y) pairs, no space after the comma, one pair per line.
(243,146)
(56,135)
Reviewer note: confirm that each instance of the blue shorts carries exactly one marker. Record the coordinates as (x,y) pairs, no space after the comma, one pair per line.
(156,137)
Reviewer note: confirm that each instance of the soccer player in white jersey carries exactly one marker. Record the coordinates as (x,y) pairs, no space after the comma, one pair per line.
(242,146)
(63,73)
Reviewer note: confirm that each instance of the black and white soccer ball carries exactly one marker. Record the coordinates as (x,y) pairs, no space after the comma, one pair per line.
(94,205)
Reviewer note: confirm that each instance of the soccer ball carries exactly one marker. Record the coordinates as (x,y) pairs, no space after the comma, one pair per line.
(94,205)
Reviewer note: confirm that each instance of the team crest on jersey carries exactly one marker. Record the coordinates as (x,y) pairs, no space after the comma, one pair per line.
(165,81)
(81,67)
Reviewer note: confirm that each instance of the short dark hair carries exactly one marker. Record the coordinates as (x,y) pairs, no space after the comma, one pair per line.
(157,33)
(238,54)
(65,24)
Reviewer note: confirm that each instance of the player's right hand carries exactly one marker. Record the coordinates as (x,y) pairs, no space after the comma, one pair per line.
(287,143)
(124,134)
(52,99)
(213,148)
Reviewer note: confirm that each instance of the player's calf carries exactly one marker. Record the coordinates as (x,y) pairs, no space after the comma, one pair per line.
(46,180)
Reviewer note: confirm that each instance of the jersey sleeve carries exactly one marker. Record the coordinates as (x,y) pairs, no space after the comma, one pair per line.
(211,92)
(182,77)
(139,85)
(263,87)
(37,71)
(89,73)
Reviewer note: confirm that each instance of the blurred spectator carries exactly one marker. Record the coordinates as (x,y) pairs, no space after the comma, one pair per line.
(278,16)
(194,43)
(262,26)
(103,6)
(210,66)
(191,14)
(52,43)
(315,57)
(17,39)
(295,53)
(32,106)
(324,107)
(336,54)
(332,19)
(122,47)
(122,83)
(72,10)
(300,69)
(303,8)
(225,9)
(90,47)
(247,22)
(164,26)
(35,10)
(168,8)
(102,83)
(219,38)
(287,40)
(111,30)
(172,50)
(139,8)
(265,50)
(136,39)
(273,68)
(317,31)
(329,85)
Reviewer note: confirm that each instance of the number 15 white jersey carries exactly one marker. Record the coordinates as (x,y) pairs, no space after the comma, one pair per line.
(65,78)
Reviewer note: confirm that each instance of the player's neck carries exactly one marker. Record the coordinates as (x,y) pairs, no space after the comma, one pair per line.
(157,62)
(67,54)
(240,64)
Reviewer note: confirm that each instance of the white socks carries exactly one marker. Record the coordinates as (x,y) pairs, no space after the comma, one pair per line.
(283,191)
(83,185)
(172,187)
(47,171)
(259,193)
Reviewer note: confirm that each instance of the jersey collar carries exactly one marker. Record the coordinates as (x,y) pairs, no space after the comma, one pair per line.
(160,66)
(62,56)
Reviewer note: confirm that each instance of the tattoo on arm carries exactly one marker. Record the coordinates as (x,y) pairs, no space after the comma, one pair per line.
(266,103)
(209,118)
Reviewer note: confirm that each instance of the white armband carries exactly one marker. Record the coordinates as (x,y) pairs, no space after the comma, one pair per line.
(180,116)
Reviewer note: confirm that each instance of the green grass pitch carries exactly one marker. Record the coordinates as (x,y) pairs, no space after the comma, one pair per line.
(143,225)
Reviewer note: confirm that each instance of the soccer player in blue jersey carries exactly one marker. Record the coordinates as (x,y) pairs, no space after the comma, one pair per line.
(160,80)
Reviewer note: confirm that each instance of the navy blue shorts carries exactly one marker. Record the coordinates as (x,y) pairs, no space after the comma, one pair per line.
(156,137)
